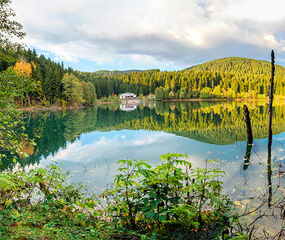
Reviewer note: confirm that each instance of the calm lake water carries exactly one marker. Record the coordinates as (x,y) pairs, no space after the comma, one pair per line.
(88,142)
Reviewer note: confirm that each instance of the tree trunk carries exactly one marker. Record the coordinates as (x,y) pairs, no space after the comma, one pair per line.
(248,124)
(269,161)
(249,138)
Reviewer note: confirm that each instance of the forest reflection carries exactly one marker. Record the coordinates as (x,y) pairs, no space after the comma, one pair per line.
(219,123)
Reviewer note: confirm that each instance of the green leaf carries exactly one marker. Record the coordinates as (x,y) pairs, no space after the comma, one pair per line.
(150,214)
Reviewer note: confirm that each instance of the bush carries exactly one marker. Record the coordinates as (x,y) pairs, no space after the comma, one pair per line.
(205,93)
(170,199)
(39,204)
(194,94)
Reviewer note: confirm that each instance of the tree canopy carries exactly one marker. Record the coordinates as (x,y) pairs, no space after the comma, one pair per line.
(221,78)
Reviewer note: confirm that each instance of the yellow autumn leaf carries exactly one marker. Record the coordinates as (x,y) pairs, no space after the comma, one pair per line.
(237,203)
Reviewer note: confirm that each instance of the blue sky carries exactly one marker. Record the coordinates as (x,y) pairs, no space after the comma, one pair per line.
(91,35)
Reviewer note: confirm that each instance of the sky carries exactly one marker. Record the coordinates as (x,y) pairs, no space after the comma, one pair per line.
(91,35)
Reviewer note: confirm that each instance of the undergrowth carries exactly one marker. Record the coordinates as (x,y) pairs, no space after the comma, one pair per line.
(168,201)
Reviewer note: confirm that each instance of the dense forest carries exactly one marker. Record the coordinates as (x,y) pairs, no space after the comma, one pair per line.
(40,80)
(46,82)
(221,78)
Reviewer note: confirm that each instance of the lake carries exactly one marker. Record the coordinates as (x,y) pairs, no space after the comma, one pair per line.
(88,142)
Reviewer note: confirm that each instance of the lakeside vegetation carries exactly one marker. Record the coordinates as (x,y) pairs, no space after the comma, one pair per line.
(41,81)
(145,202)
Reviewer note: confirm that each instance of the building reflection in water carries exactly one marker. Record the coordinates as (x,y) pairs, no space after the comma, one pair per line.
(128,106)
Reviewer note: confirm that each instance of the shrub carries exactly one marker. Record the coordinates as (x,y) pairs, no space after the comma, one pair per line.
(170,199)
(205,93)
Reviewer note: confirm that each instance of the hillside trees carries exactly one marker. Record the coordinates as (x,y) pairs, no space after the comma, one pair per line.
(42,81)
(89,93)
(222,78)
(24,72)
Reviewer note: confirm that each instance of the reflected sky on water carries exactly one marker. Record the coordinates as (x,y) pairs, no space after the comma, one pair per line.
(92,158)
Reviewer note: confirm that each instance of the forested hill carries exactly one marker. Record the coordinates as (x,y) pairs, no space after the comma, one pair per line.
(222,78)
(47,82)
(251,73)
(238,65)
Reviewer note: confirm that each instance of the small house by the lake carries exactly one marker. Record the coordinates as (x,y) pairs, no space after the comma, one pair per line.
(128,96)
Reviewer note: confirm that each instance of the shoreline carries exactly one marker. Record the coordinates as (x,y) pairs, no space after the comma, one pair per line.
(216,99)
(57,108)
(51,108)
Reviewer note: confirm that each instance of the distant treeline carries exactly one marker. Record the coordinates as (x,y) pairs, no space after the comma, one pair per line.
(222,78)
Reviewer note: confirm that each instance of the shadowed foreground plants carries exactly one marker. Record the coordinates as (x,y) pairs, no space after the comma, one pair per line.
(168,201)
(39,204)
(171,200)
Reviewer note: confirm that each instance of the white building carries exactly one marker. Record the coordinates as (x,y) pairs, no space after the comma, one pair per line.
(126,96)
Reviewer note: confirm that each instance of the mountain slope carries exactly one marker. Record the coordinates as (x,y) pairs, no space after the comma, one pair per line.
(244,74)
(238,65)
(222,78)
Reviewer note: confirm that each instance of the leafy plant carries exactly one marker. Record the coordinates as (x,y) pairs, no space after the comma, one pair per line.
(171,199)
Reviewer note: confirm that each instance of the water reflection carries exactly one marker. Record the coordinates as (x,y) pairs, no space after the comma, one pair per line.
(129,107)
(90,141)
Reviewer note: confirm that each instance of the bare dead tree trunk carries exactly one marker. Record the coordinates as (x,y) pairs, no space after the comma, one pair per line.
(247,155)
(269,169)
(269,172)
(271,96)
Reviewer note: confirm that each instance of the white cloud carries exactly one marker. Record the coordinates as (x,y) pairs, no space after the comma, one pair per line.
(100,148)
(271,39)
(176,32)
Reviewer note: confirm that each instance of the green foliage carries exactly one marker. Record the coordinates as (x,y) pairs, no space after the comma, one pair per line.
(9,27)
(234,76)
(205,93)
(73,90)
(39,204)
(93,96)
(11,132)
(20,188)
(7,58)
(161,93)
(167,201)
(217,93)
(171,199)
